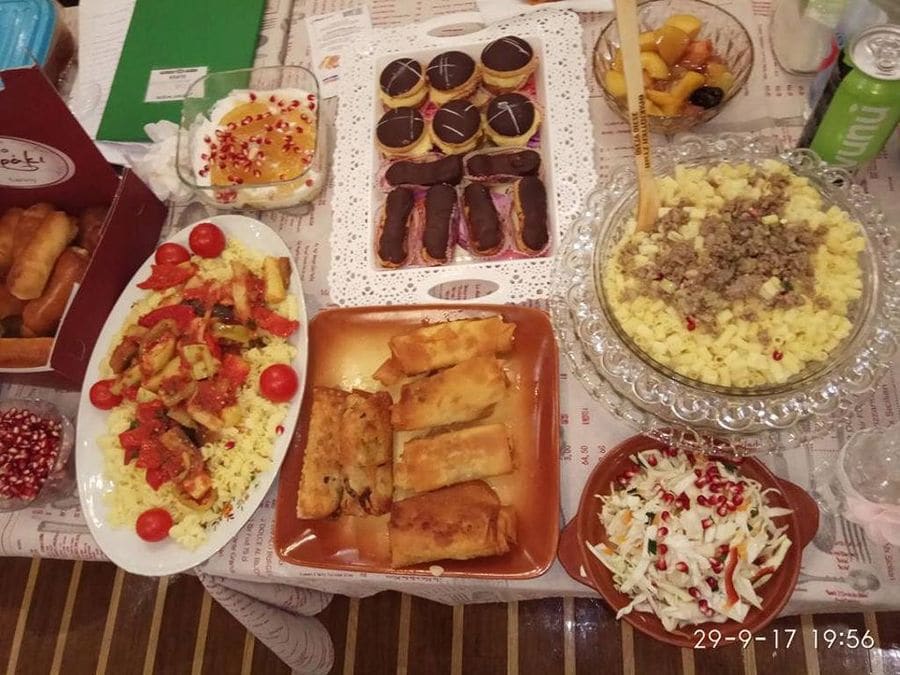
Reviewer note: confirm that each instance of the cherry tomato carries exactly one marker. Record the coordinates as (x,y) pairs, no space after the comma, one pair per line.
(207,240)
(278,383)
(153,524)
(172,254)
(102,395)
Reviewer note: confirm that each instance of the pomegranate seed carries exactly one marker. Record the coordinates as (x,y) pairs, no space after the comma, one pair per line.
(661,564)
(668,497)
(715,487)
(662,532)
(309,182)
(701,500)
(279,430)
(665,516)
(690,323)
(690,457)
(662,549)
(740,488)
(229,445)
(722,510)
(703,603)
(698,473)
(712,470)
(715,565)
(651,460)
(723,549)
(683,501)
(737,500)
(252,96)
(693,591)
(681,566)
(720,499)
(712,583)
(777,355)
(29,446)
(706,523)
(669,451)
(730,506)
(621,480)
(310,97)
(700,482)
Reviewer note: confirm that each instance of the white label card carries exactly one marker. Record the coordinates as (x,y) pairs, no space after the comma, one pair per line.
(329,35)
(171,84)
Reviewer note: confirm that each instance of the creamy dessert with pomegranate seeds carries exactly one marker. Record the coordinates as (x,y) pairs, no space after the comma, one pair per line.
(258,147)
(745,281)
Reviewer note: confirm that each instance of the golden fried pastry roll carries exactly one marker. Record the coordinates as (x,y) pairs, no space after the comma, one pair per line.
(445,344)
(320,480)
(459,522)
(28,223)
(25,352)
(32,266)
(10,305)
(9,223)
(367,449)
(389,373)
(432,462)
(462,393)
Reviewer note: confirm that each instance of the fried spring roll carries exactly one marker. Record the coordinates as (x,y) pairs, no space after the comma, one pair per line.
(462,393)
(367,450)
(320,489)
(445,344)
(459,522)
(431,462)
(32,266)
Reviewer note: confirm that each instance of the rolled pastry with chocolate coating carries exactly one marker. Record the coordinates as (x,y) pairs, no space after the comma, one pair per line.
(441,213)
(32,267)
(529,215)
(484,229)
(502,165)
(425,173)
(393,230)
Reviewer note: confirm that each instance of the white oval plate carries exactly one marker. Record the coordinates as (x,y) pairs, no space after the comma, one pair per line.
(121,544)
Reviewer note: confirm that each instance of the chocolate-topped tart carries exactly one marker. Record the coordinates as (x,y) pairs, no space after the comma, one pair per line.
(441,209)
(452,75)
(511,119)
(393,230)
(402,84)
(483,225)
(503,164)
(507,63)
(425,173)
(529,215)
(456,127)
(401,133)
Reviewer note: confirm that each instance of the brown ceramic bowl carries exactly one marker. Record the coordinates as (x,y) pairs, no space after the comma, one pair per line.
(584,567)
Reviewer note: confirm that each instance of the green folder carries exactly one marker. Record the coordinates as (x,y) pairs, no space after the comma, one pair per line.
(170,44)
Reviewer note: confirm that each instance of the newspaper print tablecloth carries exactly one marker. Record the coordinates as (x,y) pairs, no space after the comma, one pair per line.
(842,569)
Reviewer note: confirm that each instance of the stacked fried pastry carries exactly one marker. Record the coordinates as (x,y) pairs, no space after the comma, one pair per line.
(450,378)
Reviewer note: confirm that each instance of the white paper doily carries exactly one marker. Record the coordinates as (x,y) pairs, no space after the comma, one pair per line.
(568,151)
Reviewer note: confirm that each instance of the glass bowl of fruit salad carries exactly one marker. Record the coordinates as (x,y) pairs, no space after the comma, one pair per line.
(695,58)
(253,138)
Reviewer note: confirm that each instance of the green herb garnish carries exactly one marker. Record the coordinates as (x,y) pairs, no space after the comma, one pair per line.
(651,546)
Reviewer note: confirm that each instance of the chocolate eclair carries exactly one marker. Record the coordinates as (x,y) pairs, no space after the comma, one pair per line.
(401,133)
(503,164)
(483,226)
(409,172)
(507,63)
(393,230)
(511,119)
(441,210)
(529,215)
(456,127)
(402,84)
(452,75)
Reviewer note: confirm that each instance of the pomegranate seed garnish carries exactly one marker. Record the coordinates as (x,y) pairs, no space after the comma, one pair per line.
(665,516)
(715,565)
(719,499)
(722,510)
(723,549)
(700,482)
(683,501)
(651,460)
(229,445)
(715,487)
(698,473)
(272,99)
(661,564)
(737,500)
(777,355)
(690,457)
(690,323)
(668,497)
(681,567)
(706,523)
(662,532)
(29,446)
(310,97)
(662,549)
(669,451)
(693,591)
(703,603)
(621,480)
(712,583)
(309,182)
(701,499)
(279,430)
(312,106)
(252,96)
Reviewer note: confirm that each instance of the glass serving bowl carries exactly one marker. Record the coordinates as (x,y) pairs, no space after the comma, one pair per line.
(656,400)
(200,105)
(730,39)
(60,479)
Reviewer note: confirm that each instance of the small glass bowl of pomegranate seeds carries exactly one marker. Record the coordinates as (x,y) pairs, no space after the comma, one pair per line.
(36,442)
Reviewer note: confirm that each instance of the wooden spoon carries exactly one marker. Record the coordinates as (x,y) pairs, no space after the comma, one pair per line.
(648,200)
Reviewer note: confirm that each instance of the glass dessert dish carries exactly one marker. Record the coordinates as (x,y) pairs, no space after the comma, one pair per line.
(34,463)
(742,420)
(730,42)
(253,138)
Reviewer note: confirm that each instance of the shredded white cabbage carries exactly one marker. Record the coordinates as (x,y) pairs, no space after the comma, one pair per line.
(689,539)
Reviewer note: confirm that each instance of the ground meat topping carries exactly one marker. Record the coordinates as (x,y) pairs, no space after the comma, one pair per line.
(744,245)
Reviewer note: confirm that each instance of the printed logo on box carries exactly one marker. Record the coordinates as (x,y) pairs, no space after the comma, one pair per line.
(27,164)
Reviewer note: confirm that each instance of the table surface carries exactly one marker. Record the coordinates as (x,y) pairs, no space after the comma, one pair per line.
(844,569)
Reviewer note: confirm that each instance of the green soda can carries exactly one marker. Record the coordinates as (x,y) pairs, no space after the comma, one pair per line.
(860,105)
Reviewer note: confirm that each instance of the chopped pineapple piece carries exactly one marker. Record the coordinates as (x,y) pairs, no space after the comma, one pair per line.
(615,83)
(689,23)
(277,275)
(202,363)
(654,65)
(671,43)
(668,104)
(687,85)
(647,41)
(718,75)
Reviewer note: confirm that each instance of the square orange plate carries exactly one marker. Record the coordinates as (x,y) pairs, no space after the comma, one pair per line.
(345,347)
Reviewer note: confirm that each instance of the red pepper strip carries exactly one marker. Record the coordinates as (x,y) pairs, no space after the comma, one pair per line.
(156,477)
(235,369)
(167,275)
(214,348)
(180,314)
(130,392)
(730,566)
(763,572)
(274,323)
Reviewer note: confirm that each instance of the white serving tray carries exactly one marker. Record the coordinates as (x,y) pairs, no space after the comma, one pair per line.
(567,145)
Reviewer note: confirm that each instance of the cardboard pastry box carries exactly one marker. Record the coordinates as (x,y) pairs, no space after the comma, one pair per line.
(45,156)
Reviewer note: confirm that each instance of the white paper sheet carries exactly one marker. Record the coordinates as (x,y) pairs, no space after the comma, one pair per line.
(497,10)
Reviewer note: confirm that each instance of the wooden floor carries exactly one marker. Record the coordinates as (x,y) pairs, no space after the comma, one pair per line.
(63,617)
